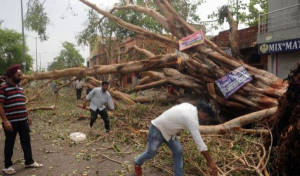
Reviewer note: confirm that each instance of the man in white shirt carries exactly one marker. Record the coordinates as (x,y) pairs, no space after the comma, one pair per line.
(78,86)
(99,96)
(164,128)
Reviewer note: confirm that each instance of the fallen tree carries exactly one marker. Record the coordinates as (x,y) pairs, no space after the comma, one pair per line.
(208,61)
(200,67)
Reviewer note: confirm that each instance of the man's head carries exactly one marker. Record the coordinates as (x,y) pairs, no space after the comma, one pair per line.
(14,73)
(205,112)
(104,86)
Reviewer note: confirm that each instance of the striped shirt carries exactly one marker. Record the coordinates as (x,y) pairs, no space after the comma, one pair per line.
(13,100)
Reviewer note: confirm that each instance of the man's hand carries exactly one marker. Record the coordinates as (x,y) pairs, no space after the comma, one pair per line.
(29,121)
(213,169)
(7,126)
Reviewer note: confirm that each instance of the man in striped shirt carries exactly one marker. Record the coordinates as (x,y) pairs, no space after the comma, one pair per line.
(15,119)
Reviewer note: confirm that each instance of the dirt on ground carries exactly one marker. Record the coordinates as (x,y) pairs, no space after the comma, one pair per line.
(100,154)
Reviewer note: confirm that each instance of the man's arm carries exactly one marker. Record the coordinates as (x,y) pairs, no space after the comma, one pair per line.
(88,98)
(110,103)
(6,123)
(210,163)
(203,148)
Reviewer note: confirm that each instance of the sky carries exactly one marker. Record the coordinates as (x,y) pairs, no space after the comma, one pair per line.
(67,19)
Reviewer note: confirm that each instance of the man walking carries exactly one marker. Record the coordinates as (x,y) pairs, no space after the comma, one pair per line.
(15,119)
(164,128)
(99,96)
(78,86)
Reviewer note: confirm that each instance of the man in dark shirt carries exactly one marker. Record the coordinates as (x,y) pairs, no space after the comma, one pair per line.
(15,119)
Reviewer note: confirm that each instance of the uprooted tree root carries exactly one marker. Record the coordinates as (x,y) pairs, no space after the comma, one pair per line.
(286,129)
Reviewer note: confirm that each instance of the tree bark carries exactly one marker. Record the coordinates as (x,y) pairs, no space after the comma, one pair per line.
(238,122)
(133,66)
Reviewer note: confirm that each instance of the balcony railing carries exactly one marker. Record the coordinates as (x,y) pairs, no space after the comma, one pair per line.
(279,20)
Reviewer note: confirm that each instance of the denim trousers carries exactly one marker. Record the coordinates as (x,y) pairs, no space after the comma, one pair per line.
(155,140)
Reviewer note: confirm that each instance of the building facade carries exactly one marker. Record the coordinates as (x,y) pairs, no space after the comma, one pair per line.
(247,38)
(279,36)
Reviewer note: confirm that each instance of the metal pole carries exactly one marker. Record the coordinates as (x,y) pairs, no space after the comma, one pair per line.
(36,59)
(40,61)
(237,7)
(23,53)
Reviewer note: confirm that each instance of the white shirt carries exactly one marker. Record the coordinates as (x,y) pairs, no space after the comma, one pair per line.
(182,116)
(78,84)
(99,99)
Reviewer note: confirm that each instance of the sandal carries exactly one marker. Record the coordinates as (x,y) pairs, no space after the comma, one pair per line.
(9,171)
(34,165)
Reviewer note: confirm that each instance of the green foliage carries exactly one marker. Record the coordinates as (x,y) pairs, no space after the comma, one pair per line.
(69,57)
(237,9)
(11,49)
(252,18)
(247,13)
(188,9)
(222,13)
(36,18)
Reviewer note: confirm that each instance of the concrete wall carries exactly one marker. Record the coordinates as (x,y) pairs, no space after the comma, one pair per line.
(278,4)
(281,24)
(281,64)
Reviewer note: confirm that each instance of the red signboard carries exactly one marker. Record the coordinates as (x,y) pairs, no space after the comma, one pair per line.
(192,40)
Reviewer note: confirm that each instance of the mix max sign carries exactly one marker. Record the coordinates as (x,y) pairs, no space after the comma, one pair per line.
(278,47)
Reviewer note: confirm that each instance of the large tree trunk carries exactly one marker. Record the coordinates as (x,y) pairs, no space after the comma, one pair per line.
(133,66)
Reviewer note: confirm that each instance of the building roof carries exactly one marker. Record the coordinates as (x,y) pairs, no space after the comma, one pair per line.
(247,38)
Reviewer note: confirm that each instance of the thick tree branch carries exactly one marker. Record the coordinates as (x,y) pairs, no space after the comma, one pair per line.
(132,27)
(150,12)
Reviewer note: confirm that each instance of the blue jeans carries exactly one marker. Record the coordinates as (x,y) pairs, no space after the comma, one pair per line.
(155,140)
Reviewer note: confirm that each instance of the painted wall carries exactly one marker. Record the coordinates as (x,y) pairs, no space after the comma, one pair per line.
(282,22)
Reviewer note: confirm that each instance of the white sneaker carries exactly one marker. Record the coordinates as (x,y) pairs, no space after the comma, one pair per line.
(34,165)
(9,171)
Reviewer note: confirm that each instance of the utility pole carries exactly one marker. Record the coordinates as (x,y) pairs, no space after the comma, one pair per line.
(236,11)
(36,59)
(40,61)
(23,53)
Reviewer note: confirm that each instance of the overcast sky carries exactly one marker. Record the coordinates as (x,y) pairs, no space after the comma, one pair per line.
(67,19)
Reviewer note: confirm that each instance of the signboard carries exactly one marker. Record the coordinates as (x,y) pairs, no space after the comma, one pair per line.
(192,40)
(280,46)
(234,80)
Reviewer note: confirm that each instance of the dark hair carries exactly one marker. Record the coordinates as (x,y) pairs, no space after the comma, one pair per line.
(12,70)
(205,107)
(105,83)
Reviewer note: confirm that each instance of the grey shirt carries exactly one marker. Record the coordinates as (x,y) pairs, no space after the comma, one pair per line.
(99,99)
